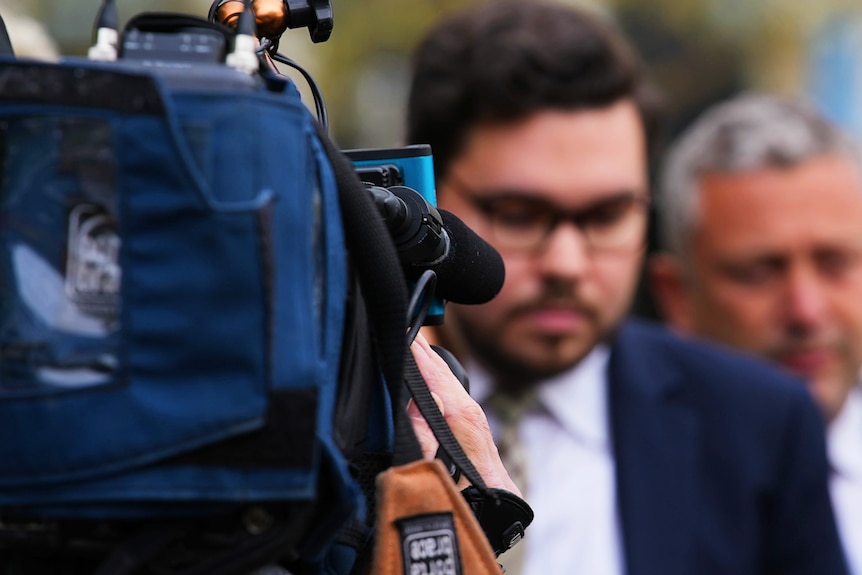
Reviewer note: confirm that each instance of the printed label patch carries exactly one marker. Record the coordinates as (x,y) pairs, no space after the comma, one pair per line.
(93,266)
(429,544)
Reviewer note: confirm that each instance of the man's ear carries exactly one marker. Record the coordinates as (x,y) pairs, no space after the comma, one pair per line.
(667,284)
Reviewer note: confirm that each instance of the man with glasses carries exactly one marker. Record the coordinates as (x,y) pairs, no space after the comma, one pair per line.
(640,453)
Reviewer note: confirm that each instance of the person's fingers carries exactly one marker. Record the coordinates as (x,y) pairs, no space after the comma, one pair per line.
(437,373)
(464,416)
(413,409)
(427,440)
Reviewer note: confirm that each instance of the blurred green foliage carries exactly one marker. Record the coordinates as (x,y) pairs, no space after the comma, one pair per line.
(698,50)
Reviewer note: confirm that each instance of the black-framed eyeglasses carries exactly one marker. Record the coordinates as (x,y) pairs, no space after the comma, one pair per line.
(523,222)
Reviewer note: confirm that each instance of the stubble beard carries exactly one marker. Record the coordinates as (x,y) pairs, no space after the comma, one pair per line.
(513,368)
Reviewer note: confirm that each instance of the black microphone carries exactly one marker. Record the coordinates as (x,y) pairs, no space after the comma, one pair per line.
(468,269)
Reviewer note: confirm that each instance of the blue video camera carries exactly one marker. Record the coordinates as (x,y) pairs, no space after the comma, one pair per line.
(409,166)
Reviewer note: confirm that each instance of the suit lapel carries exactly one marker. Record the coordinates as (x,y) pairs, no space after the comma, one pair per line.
(655,439)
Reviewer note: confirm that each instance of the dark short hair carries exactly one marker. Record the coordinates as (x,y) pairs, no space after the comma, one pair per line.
(502,61)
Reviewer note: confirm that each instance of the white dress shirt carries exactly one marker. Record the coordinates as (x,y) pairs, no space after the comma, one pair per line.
(570,462)
(845,456)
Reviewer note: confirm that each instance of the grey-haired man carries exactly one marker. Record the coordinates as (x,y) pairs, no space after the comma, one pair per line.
(762,223)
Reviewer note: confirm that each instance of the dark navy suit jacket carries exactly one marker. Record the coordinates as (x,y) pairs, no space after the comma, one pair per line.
(721,463)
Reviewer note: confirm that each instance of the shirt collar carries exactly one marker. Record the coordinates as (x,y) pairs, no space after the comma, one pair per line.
(577,398)
(845,437)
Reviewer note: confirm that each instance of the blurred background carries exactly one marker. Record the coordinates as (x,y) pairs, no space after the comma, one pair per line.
(698,50)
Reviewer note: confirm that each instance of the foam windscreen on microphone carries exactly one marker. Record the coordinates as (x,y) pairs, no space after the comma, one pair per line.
(471,272)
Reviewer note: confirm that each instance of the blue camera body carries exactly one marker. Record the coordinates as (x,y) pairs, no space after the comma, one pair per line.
(411,166)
